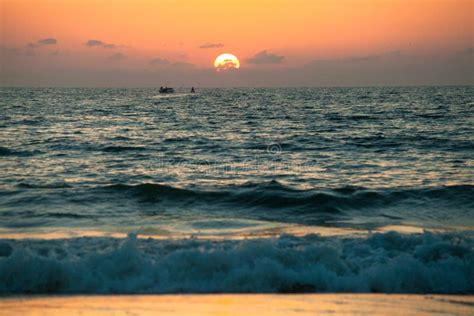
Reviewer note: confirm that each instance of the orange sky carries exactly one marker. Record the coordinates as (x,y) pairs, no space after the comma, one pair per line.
(299,30)
(301,27)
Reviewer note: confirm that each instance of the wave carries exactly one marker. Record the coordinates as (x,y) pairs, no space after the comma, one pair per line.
(354,207)
(51,185)
(4,151)
(380,263)
(118,149)
(274,195)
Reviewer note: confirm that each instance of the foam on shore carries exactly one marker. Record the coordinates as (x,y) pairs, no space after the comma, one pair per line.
(380,263)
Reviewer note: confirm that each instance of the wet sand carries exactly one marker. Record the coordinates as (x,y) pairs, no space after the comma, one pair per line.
(240,304)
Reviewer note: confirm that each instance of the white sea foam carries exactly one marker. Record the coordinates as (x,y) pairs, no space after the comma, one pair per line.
(173,95)
(387,263)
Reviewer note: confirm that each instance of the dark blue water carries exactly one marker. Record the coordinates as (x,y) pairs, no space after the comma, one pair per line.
(238,162)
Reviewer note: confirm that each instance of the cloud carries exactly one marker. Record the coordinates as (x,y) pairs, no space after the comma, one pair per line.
(92,43)
(159,61)
(372,57)
(117,56)
(8,51)
(48,41)
(55,53)
(466,54)
(166,63)
(98,43)
(183,65)
(359,58)
(211,45)
(42,42)
(265,57)
(468,51)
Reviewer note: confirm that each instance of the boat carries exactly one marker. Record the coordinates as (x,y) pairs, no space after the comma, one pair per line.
(166,90)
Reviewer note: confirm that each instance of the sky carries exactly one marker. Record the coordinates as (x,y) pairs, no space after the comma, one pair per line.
(146,43)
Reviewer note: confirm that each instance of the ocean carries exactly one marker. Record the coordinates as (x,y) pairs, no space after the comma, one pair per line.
(257,190)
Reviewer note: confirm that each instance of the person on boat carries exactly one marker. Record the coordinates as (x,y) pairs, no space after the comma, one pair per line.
(192,90)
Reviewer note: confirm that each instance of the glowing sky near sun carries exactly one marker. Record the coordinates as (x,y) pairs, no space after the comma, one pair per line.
(262,34)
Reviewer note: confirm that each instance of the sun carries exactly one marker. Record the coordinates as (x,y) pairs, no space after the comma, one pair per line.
(226,61)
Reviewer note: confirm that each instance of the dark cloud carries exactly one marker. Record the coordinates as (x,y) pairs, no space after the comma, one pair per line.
(159,61)
(183,65)
(372,57)
(92,43)
(4,50)
(30,53)
(211,45)
(359,58)
(165,62)
(42,42)
(265,57)
(48,41)
(98,43)
(117,56)
(466,54)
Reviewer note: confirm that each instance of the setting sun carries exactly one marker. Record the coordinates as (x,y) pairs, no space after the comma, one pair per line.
(226,61)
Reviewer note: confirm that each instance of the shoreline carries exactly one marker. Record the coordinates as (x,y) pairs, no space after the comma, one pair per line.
(236,304)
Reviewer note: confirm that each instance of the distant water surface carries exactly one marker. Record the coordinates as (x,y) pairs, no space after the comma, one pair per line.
(358,157)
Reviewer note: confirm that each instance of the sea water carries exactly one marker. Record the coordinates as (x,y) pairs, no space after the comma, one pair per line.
(229,190)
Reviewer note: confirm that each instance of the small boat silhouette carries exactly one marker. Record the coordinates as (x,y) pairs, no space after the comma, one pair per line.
(166,90)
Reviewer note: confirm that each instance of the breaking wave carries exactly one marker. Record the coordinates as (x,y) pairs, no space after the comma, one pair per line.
(380,263)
